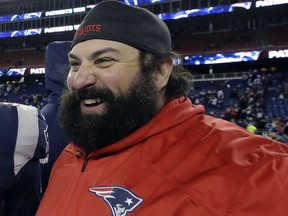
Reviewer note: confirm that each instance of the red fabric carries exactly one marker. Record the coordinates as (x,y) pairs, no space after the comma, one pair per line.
(180,163)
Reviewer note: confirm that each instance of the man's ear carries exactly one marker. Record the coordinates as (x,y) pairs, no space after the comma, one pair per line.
(163,74)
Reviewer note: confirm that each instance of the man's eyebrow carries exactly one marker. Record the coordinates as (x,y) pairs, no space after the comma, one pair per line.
(96,53)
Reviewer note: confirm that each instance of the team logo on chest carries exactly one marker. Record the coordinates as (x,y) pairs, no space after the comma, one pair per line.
(120,200)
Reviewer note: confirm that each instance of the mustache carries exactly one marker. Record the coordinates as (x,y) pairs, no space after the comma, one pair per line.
(92,92)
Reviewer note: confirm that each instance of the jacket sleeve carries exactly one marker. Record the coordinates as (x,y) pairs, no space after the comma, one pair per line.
(25,195)
(23,141)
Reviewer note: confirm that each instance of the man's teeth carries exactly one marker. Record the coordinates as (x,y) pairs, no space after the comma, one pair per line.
(92,101)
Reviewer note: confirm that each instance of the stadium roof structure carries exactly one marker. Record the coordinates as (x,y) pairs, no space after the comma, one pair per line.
(33,24)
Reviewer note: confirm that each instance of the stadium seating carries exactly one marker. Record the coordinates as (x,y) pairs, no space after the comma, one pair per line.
(217,42)
(22,58)
(277,36)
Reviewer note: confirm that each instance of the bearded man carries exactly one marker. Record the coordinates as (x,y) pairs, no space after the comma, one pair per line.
(138,144)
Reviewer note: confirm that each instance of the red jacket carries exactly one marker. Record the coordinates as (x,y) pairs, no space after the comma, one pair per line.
(181,163)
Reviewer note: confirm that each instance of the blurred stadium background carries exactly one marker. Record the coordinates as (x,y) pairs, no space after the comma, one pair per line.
(237,52)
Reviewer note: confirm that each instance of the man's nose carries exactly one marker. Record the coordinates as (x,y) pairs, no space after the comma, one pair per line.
(83,78)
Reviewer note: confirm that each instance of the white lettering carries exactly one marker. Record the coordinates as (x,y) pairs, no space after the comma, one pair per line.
(266,3)
(58,12)
(59,29)
(37,71)
(79,9)
(76,26)
(278,54)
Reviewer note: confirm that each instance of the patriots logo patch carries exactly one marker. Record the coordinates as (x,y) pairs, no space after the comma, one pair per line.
(120,200)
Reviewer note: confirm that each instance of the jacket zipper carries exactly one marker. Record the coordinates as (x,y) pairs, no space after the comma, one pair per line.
(84,165)
(79,155)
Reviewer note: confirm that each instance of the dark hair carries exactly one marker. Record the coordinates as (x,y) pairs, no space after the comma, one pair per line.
(180,81)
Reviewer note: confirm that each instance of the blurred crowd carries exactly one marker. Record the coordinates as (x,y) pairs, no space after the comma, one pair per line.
(20,92)
(248,102)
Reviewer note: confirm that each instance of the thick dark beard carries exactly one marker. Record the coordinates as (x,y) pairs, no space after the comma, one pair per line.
(125,114)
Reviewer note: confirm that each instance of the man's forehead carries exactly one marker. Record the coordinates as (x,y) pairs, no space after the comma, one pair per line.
(100,46)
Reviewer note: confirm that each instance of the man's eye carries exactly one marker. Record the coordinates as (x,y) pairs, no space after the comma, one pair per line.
(74,65)
(104,62)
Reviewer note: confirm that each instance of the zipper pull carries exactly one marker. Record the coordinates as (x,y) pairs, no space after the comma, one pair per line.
(84,165)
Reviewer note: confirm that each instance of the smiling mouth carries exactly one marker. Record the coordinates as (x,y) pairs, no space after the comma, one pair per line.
(92,102)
